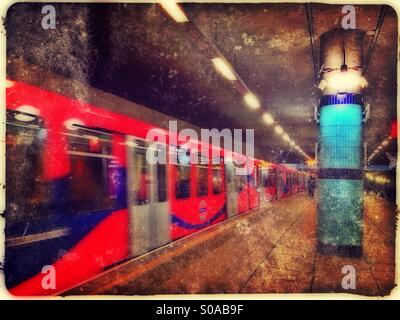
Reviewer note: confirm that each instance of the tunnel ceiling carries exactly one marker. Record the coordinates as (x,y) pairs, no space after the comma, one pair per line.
(137,52)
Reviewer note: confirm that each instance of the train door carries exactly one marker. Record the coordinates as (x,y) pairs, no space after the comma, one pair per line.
(231,195)
(271,184)
(262,187)
(296,182)
(282,183)
(259,189)
(147,199)
(254,187)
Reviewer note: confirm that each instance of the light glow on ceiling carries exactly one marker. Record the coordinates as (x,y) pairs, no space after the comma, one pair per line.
(345,81)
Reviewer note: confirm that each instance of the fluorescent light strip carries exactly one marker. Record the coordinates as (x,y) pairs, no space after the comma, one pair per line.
(251,100)
(278,130)
(268,119)
(224,68)
(174,10)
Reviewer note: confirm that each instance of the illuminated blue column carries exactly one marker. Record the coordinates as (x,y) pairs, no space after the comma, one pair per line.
(340,195)
(340,184)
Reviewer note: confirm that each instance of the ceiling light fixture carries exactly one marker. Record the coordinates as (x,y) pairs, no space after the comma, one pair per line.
(174,10)
(224,68)
(285,137)
(278,130)
(268,119)
(251,100)
(345,80)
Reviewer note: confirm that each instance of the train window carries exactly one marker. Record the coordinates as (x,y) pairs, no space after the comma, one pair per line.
(240,182)
(257,170)
(280,179)
(283,177)
(202,180)
(216,178)
(182,184)
(270,180)
(161,183)
(88,142)
(141,175)
(263,176)
(295,178)
(203,157)
(91,167)
(161,173)
(27,194)
(251,179)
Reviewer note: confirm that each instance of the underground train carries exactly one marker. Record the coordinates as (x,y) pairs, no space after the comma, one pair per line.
(81,197)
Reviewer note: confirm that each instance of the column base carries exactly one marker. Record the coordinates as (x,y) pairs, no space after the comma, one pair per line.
(339,250)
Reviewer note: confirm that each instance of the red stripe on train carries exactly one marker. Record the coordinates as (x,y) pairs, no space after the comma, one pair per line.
(106,244)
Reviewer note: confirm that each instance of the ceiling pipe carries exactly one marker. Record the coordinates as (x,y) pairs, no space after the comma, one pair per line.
(378,29)
(311,33)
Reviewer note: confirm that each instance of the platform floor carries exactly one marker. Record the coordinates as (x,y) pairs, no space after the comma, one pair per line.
(271,250)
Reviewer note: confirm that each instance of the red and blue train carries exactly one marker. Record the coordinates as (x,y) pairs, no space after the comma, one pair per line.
(81,197)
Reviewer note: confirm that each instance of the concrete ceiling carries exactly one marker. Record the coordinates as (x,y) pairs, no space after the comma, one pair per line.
(137,52)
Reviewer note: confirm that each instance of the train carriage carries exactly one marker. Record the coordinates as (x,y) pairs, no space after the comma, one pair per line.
(269,176)
(254,186)
(198,196)
(82,196)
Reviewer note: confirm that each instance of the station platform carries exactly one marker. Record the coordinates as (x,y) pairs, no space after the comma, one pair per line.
(269,250)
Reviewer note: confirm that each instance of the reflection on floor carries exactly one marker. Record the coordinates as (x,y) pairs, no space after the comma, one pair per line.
(266,251)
